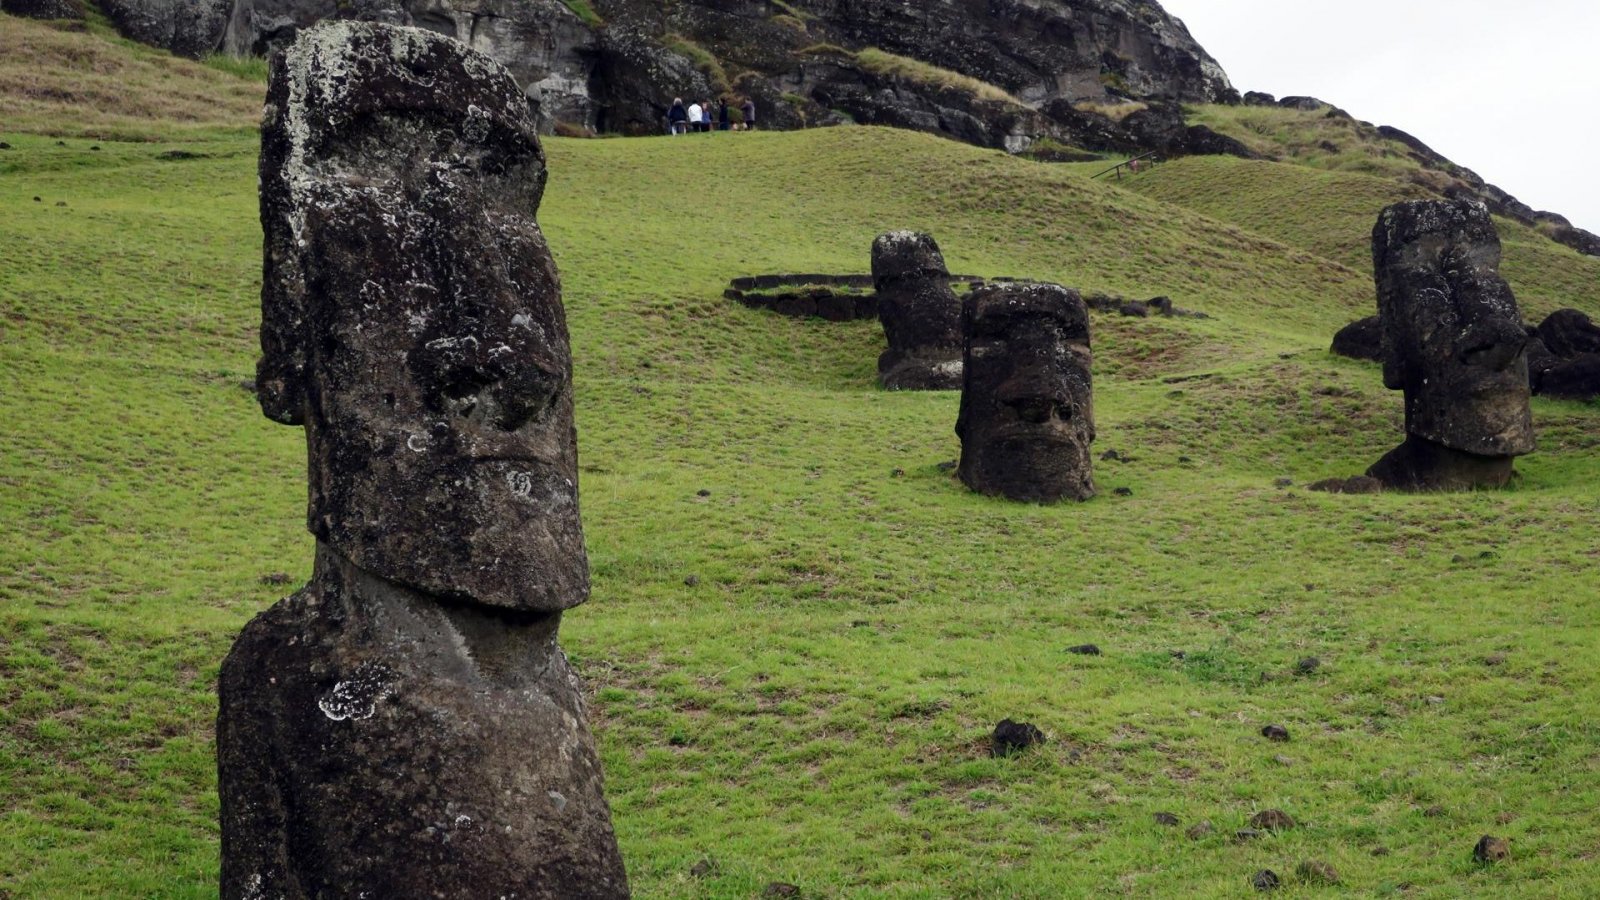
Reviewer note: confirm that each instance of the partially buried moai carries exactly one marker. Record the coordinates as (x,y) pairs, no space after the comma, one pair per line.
(1453,341)
(1027,406)
(920,313)
(406,725)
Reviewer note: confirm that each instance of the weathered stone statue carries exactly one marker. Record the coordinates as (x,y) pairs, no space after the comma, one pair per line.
(1453,341)
(1027,409)
(921,314)
(406,725)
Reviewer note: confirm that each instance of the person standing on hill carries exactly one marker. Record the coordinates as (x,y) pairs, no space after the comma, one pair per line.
(677,117)
(749,114)
(694,117)
(724,118)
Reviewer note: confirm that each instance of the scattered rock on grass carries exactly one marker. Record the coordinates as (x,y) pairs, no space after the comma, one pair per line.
(1380,850)
(1014,737)
(1272,820)
(1434,812)
(1245,835)
(1165,818)
(1491,849)
(948,465)
(702,493)
(1265,880)
(275,578)
(1315,871)
(705,868)
(692,580)
(4,146)
(781,889)
(1307,666)
(1085,650)
(1123,492)
(1275,733)
(1495,659)
(1199,830)
(1282,482)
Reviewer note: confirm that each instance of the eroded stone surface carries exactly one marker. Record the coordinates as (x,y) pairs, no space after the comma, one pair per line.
(1027,409)
(1453,341)
(920,312)
(406,724)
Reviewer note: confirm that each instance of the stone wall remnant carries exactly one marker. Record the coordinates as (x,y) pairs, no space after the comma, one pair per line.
(920,312)
(1454,342)
(1026,421)
(407,724)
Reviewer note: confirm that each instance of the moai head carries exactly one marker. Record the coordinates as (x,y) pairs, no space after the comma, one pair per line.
(412,319)
(1452,337)
(1027,409)
(921,314)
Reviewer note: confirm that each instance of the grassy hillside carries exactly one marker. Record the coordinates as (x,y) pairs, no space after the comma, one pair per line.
(795,674)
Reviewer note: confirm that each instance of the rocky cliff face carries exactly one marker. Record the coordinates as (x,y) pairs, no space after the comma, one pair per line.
(985,71)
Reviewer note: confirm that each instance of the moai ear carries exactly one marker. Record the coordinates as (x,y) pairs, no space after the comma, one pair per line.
(281,371)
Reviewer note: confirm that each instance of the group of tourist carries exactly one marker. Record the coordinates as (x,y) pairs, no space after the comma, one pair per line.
(699,117)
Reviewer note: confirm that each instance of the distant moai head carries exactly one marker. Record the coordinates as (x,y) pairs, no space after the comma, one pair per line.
(921,314)
(1453,339)
(412,318)
(1027,407)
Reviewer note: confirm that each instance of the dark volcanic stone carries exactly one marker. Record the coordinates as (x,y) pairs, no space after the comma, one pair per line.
(780,889)
(1568,332)
(406,724)
(1308,666)
(920,312)
(1123,491)
(1361,339)
(1272,820)
(1165,818)
(1200,830)
(42,9)
(1085,650)
(1014,737)
(1491,849)
(1576,379)
(1265,880)
(705,868)
(190,28)
(1026,421)
(1259,98)
(1454,342)
(1246,835)
(1275,733)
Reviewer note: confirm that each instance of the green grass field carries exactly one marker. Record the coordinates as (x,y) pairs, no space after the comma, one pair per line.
(796,674)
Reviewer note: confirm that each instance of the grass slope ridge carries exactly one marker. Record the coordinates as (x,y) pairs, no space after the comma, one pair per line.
(795,673)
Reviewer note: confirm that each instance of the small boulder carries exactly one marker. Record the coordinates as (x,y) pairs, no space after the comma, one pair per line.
(781,889)
(705,868)
(1011,738)
(1491,849)
(1200,830)
(1265,880)
(1085,650)
(1315,871)
(1272,820)
(1275,733)
(1307,666)
(1166,819)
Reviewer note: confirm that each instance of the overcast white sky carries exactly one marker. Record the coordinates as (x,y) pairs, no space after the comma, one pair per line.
(1508,89)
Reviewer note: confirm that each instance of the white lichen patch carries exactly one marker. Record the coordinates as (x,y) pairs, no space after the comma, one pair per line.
(357,697)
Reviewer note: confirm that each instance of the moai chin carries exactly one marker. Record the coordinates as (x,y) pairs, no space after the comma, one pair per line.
(1027,406)
(406,724)
(1454,342)
(920,313)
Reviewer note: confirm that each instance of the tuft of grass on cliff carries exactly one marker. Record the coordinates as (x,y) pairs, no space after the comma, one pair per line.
(794,672)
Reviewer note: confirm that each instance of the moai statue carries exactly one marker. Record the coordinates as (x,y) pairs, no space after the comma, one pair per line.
(921,314)
(406,725)
(1027,408)
(1453,341)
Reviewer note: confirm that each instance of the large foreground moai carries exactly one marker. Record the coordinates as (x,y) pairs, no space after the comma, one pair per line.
(1453,341)
(406,725)
(921,314)
(1027,408)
